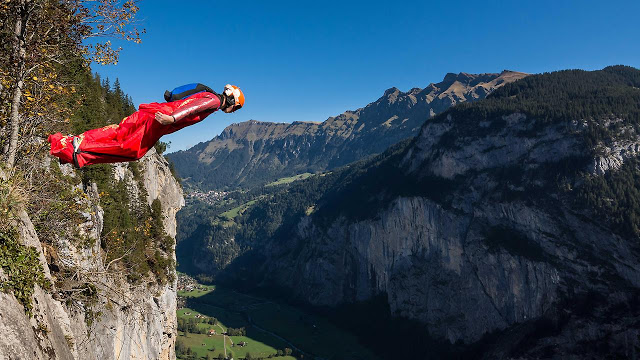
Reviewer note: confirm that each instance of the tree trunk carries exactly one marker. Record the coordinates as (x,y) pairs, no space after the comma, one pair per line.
(20,55)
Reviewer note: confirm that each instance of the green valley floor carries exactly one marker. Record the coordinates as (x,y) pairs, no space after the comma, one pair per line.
(256,328)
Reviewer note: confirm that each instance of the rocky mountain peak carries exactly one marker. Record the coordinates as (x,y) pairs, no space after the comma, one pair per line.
(390,91)
(450,77)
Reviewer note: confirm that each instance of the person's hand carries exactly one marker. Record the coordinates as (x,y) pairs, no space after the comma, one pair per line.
(164,119)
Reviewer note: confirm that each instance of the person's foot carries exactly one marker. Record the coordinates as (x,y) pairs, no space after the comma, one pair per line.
(77,140)
(76,143)
(61,147)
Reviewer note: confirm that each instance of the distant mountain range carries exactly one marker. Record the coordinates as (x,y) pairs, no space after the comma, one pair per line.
(254,153)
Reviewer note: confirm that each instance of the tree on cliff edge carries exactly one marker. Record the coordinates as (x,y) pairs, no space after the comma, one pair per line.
(38,38)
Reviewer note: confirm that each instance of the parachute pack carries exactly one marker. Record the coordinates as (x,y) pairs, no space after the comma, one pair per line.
(185,91)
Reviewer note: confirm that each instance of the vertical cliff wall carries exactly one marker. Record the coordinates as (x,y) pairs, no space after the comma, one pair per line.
(114,319)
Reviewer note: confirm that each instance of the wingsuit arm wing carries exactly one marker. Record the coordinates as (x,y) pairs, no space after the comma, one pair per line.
(198,105)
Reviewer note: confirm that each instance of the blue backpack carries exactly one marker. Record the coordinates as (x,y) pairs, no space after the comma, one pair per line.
(184,91)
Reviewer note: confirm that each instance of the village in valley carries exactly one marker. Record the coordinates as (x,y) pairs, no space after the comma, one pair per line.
(208,197)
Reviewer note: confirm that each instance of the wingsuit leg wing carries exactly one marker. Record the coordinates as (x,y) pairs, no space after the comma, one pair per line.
(109,144)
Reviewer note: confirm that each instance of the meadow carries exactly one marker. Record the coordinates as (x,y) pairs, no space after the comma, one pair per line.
(270,326)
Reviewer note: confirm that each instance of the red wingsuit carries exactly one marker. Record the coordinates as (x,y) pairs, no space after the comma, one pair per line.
(135,135)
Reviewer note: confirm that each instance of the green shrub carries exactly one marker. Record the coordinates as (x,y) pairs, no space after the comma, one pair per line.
(161,147)
(22,267)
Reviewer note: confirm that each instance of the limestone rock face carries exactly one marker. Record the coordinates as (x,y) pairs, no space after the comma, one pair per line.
(161,184)
(433,265)
(126,322)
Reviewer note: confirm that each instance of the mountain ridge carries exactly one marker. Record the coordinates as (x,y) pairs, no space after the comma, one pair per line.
(266,151)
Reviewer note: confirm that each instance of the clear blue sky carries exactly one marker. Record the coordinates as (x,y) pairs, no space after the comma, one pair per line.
(308,60)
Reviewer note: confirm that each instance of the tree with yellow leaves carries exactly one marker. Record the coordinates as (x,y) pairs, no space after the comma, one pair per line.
(38,38)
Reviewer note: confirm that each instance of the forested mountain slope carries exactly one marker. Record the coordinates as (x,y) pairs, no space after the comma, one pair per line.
(510,225)
(253,153)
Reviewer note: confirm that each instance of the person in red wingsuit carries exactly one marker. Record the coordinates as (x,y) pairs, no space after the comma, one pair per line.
(138,132)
